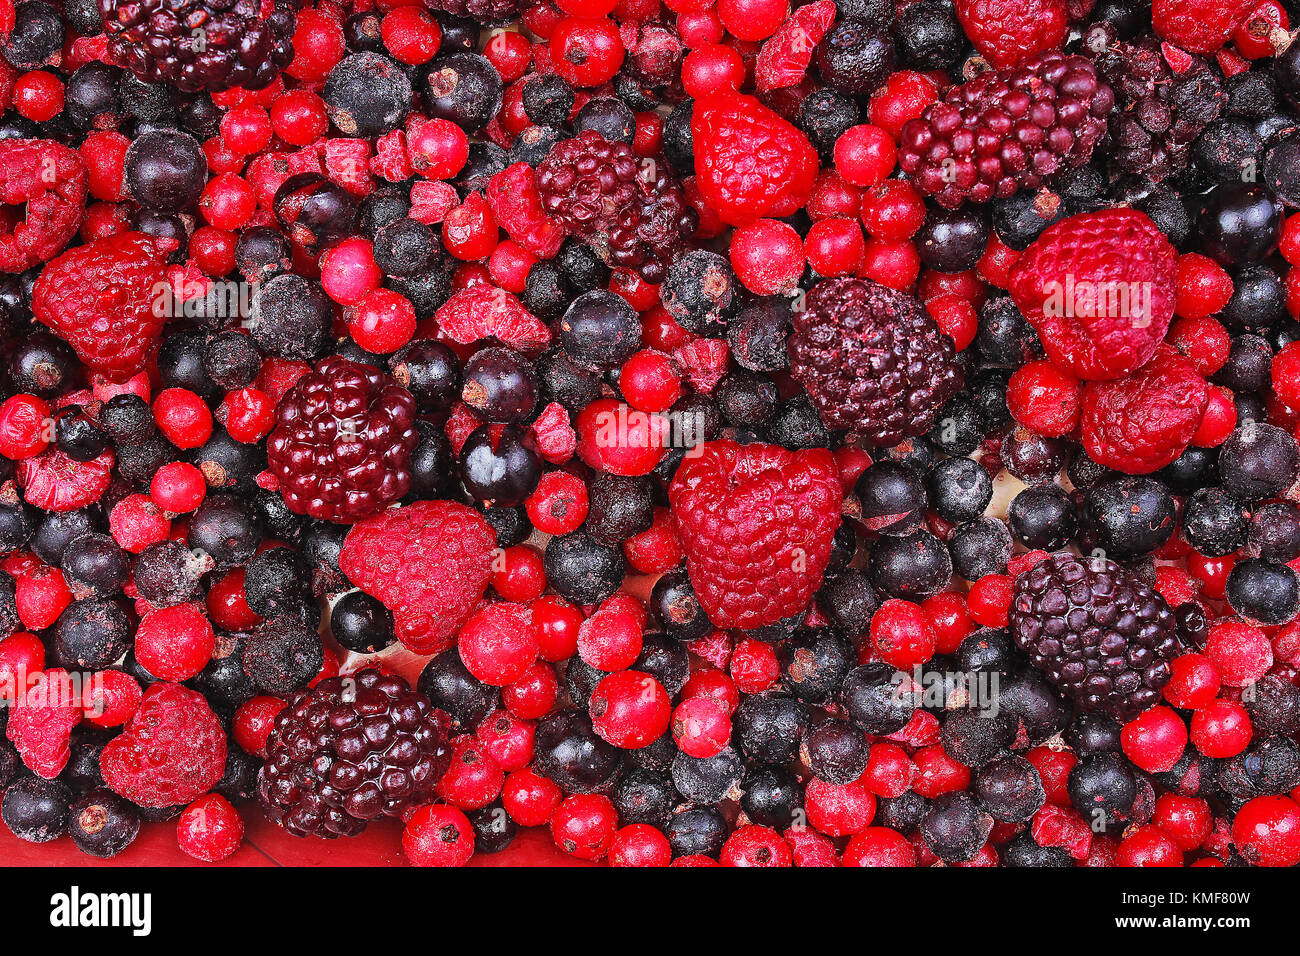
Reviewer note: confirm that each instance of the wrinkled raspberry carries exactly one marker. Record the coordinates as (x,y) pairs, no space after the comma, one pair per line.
(50,180)
(41,722)
(428,562)
(1143,422)
(703,362)
(460,425)
(106,299)
(556,439)
(391,161)
(1099,287)
(1063,827)
(485,311)
(1008,32)
(1199,26)
(756,523)
(347,163)
(172,751)
(430,202)
(517,207)
(54,482)
(785,55)
(749,162)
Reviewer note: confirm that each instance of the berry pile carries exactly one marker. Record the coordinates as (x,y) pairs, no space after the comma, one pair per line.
(859,434)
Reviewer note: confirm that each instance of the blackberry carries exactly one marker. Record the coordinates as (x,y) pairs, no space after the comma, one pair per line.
(1098,633)
(349,751)
(342,444)
(1062,93)
(486,12)
(872,360)
(201,44)
(633,214)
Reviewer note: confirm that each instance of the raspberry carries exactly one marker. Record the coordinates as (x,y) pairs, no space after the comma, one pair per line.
(756,523)
(172,751)
(784,58)
(53,481)
(749,162)
(517,207)
(41,721)
(50,181)
(1008,32)
(1006,130)
(102,299)
(428,562)
(872,361)
(348,751)
(484,311)
(1199,26)
(244,43)
(341,448)
(1143,422)
(1099,287)
(1099,634)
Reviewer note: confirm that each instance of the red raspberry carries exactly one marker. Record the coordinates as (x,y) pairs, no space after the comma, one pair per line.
(428,562)
(1199,26)
(756,523)
(41,721)
(1008,32)
(54,482)
(50,180)
(1141,423)
(517,207)
(783,60)
(749,162)
(102,299)
(484,311)
(172,751)
(1099,287)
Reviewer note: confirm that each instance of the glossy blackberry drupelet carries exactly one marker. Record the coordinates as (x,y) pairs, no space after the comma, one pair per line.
(872,360)
(1007,129)
(349,751)
(244,43)
(1100,635)
(342,444)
